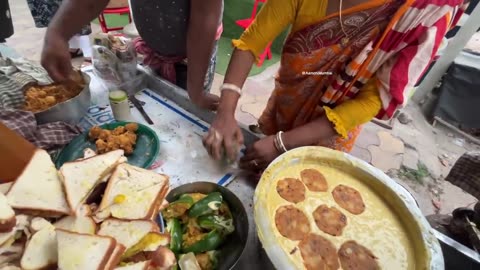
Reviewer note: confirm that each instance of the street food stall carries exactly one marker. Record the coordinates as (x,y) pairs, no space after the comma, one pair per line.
(313,207)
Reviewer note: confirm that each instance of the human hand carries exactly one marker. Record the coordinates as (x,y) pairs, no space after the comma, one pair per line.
(224,135)
(205,100)
(259,155)
(56,57)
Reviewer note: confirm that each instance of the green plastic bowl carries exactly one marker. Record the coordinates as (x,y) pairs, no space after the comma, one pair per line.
(145,152)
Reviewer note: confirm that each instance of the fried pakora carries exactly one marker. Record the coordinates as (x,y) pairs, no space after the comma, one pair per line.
(39,98)
(122,137)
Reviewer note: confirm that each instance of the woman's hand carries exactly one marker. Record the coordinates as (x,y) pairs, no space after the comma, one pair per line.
(259,155)
(224,135)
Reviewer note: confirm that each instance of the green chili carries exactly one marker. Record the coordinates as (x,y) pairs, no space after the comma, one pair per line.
(210,241)
(206,205)
(175,230)
(211,222)
(178,207)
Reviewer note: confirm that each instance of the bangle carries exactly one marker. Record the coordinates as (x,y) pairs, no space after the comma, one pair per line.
(232,87)
(279,142)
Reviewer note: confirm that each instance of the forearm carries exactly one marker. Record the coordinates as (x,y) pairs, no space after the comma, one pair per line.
(73,15)
(237,72)
(311,133)
(203,24)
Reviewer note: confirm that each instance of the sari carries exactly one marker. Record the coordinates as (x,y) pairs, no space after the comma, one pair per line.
(390,45)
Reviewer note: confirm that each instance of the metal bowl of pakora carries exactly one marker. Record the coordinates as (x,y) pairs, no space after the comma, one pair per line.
(230,250)
(63,107)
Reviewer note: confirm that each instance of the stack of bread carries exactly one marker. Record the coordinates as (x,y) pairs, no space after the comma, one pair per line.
(94,213)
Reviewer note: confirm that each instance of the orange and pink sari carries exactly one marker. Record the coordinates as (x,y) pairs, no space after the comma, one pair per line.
(392,41)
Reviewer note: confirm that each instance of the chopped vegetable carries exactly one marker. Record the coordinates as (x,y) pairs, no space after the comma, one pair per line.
(197,196)
(179,207)
(220,223)
(188,262)
(208,260)
(206,205)
(210,241)
(175,230)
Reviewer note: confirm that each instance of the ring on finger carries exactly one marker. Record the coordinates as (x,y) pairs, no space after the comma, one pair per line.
(254,162)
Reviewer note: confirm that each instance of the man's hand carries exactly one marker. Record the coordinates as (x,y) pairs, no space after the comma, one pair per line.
(56,57)
(205,100)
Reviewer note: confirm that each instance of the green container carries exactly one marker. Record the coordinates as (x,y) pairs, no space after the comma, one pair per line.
(145,152)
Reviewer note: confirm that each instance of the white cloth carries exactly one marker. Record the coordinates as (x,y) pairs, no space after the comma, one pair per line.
(83,43)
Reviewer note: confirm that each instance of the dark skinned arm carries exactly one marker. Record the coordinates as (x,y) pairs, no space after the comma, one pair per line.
(68,21)
(202,28)
(73,15)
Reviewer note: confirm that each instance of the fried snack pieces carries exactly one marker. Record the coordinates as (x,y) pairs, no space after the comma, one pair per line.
(314,180)
(318,253)
(42,97)
(291,189)
(329,220)
(355,256)
(291,222)
(122,137)
(349,199)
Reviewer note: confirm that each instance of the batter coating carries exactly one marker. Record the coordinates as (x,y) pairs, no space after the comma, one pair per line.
(291,189)
(349,199)
(291,222)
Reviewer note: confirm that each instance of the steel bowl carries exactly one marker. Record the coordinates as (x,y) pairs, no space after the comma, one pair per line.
(232,249)
(70,111)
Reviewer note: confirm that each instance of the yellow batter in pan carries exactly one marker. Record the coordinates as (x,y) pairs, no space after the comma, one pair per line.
(379,228)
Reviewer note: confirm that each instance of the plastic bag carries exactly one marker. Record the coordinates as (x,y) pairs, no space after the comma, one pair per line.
(114,61)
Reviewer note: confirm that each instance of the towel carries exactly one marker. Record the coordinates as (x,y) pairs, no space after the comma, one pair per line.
(15,76)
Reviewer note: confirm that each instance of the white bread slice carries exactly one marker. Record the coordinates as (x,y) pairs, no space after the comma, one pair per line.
(115,257)
(41,250)
(82,222)
(39,189)
(80,177)
(127,233)
(88,153)
(5,187)
(39,223)
(145,265)
(7,215)
(7,240)
(140,191)
(83,251)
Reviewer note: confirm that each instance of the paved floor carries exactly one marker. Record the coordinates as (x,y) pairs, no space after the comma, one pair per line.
(415,149)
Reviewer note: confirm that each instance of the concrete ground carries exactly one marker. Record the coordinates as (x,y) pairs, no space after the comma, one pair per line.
(415,154)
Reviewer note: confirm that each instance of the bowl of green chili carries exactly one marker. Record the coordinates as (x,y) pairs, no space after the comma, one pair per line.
(208,225)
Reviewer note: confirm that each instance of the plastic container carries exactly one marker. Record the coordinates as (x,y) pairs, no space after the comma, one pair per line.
(119,104)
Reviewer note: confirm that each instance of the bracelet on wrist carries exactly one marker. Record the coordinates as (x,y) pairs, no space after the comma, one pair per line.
(278,141)
(231,87)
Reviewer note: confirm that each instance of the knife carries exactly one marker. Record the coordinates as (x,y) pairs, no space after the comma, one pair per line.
(139,106)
